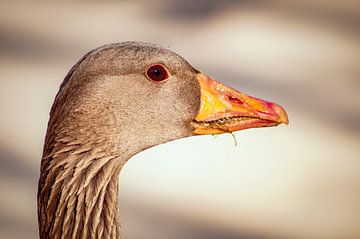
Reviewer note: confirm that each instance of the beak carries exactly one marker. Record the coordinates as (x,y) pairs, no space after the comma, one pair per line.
(225,110)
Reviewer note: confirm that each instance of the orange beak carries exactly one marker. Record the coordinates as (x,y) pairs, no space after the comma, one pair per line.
(224,110)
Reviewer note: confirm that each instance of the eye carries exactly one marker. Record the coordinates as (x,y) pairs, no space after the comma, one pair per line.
(157,73)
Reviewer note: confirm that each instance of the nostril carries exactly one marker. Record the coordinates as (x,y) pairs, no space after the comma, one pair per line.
(235,100)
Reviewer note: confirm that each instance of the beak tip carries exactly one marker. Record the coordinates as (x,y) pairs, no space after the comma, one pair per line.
(285,121)
(283,118)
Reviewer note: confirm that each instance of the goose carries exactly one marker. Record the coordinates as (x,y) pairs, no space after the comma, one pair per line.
(115,102)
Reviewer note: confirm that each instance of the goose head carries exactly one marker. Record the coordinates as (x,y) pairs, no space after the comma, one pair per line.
(144,95)
(118,100)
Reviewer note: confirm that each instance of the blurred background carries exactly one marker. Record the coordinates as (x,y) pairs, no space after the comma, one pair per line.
(295,181)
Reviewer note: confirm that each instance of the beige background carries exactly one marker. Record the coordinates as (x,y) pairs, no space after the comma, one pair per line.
(296,181)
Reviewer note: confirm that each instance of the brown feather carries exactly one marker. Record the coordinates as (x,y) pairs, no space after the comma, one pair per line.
(105,112)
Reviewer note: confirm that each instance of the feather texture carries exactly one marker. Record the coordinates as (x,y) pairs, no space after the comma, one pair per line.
(105,112)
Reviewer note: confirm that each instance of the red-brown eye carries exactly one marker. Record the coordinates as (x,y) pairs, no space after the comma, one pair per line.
(157,73)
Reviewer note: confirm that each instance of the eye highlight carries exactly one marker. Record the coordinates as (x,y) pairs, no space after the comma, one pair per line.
(157,73)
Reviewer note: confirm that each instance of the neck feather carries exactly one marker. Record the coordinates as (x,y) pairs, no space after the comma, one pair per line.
(78,192)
